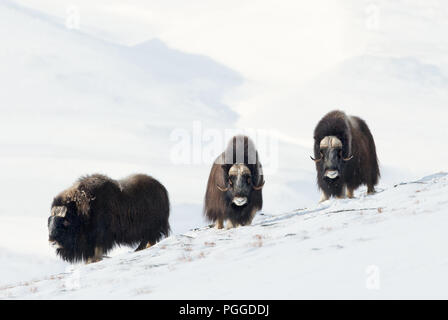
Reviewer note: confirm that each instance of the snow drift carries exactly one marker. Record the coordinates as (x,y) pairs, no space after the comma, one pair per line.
(389,245)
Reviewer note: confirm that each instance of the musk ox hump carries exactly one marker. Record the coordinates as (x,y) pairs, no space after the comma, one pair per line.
(239,169)
(80,197)
(330,142)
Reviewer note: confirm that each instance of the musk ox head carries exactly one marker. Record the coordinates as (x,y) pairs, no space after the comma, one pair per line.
(241,170)
(239,183)
(68,215)
(331,158)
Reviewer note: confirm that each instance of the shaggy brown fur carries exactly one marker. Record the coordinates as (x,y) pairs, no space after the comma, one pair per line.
(235,195)
(360,166)
(97,213)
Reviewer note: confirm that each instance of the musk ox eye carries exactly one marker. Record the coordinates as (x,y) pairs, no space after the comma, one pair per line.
(66,223)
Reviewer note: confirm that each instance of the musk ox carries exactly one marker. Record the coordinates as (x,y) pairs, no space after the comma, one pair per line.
(345,156)
(97,213)
(234,189)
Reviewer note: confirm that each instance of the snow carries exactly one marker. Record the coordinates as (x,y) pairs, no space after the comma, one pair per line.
(386,246)
(107,95)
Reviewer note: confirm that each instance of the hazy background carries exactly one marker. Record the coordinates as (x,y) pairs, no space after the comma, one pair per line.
(101,86)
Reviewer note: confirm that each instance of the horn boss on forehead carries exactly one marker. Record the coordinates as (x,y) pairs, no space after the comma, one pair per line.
(330,142)
(239,169)
(59,211)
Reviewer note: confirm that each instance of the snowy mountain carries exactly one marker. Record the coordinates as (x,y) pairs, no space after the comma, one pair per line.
(389,245)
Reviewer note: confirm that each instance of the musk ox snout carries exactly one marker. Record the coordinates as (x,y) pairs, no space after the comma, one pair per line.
(240,201)
(57,231)
(332,174)
(333,163)
(54,227)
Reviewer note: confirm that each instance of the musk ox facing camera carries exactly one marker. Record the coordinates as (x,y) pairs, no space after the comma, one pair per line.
(234,189)
(98,213)
(345,156)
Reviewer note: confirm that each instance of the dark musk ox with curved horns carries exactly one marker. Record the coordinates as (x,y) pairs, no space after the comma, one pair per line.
(345,155)
(97,213)
(234,189)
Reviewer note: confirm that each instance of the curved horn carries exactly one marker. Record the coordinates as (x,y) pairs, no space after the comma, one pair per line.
(349,158)
(222,189)
(318,160)
(260,186)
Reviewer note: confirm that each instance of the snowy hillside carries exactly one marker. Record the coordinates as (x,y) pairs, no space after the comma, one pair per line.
(390,245)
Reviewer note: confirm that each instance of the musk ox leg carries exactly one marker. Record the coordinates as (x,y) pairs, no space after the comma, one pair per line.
(219,224)
(343,195)
(251,218)
(230,225)
(324,197)
(370,189)
(350,193)
(99,252)
(143,245)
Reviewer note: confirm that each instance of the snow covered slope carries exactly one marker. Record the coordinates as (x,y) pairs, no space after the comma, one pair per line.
(390,245)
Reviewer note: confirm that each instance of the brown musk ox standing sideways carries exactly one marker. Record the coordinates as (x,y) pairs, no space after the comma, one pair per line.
(345,156)
(234,189)
(98,213)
